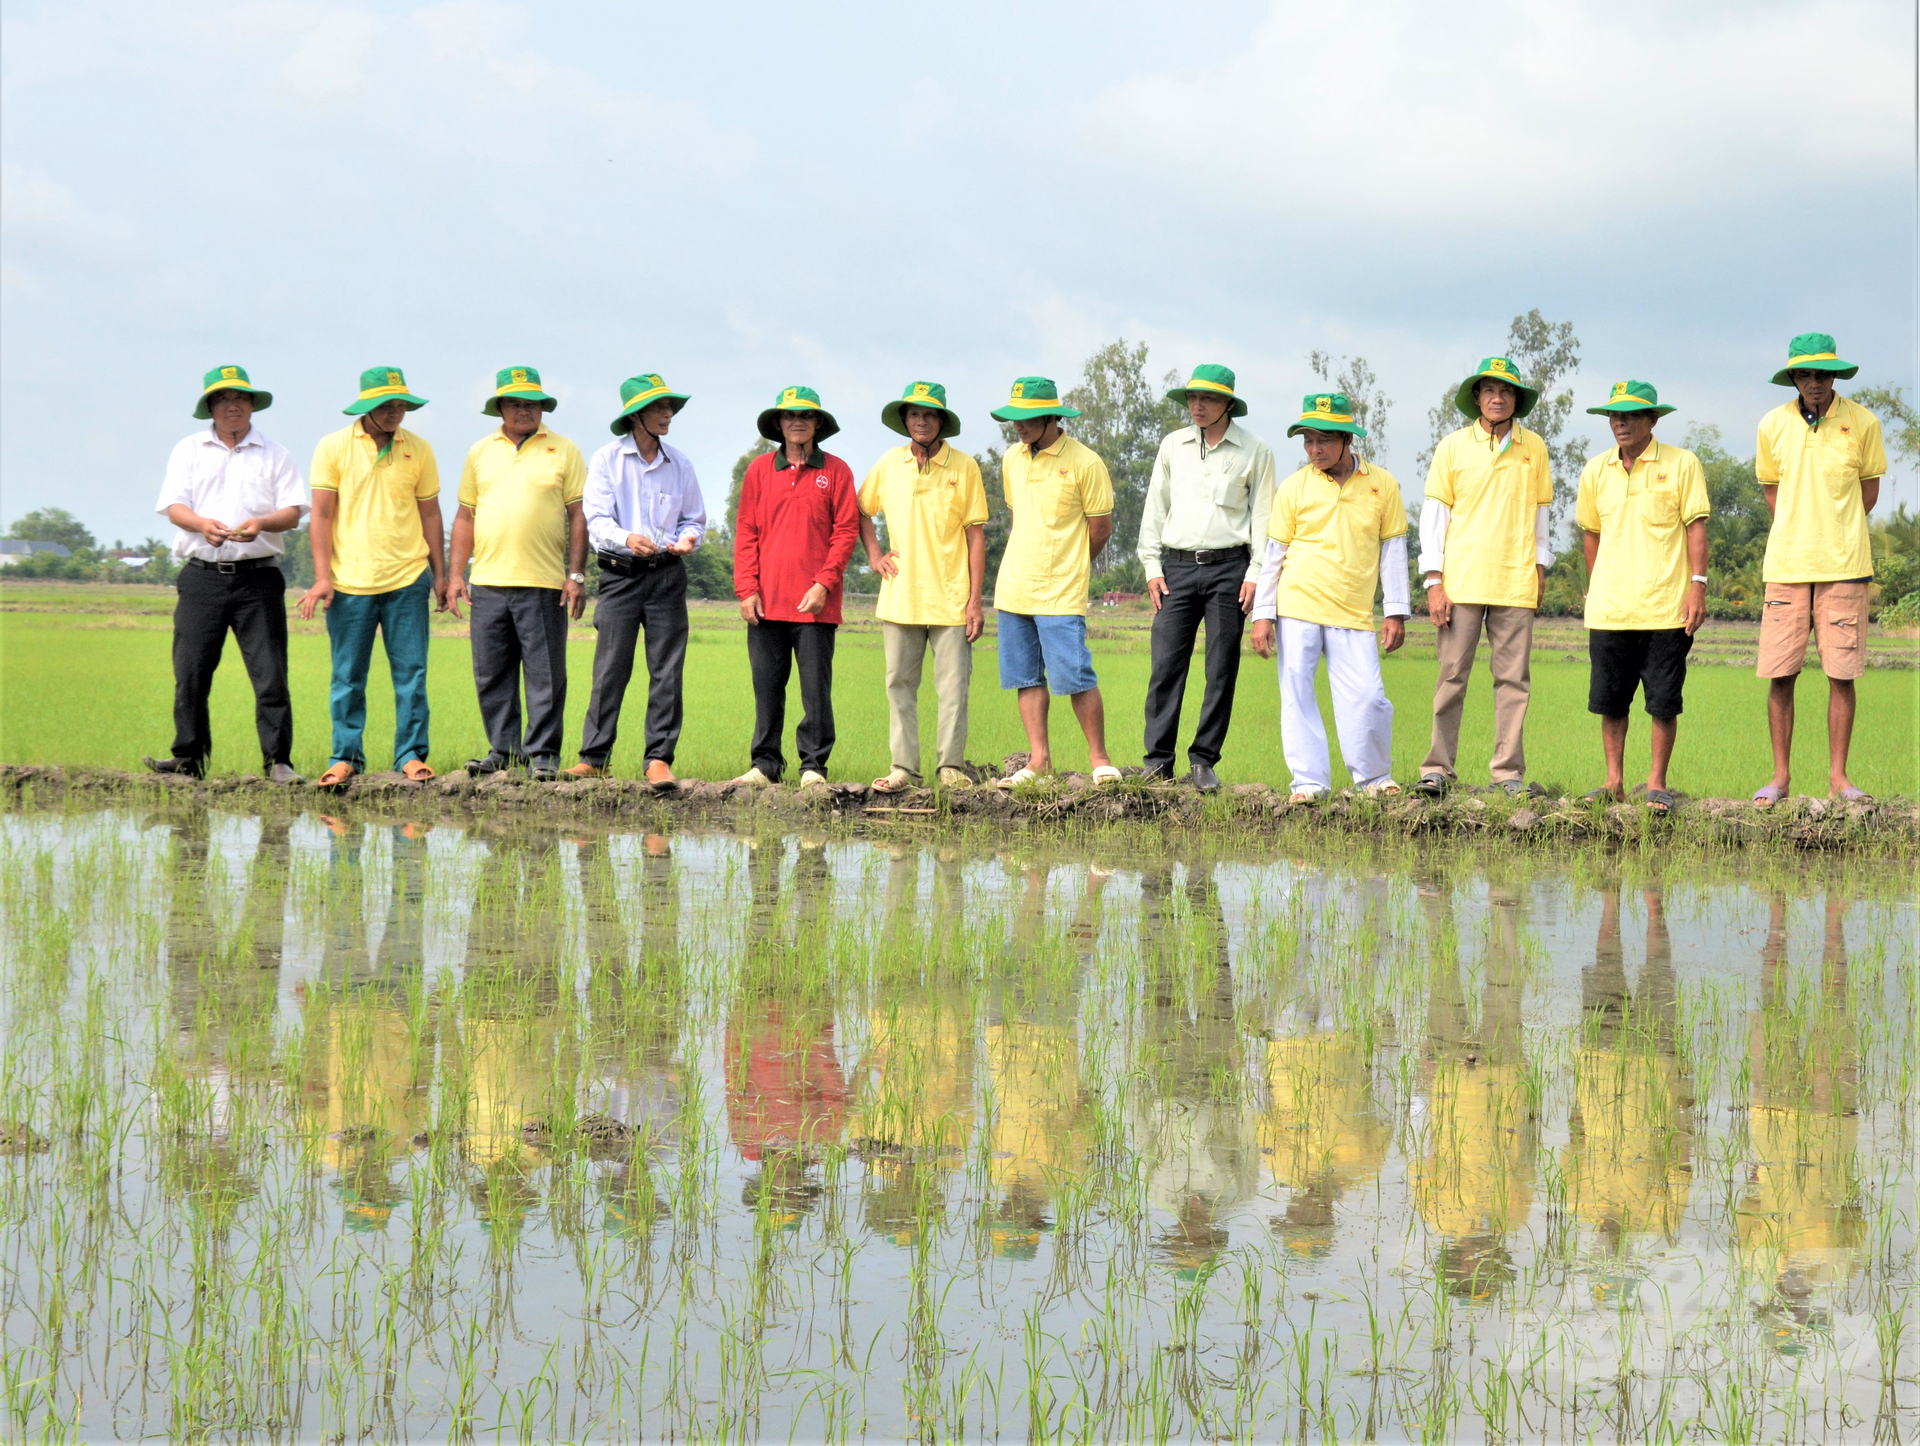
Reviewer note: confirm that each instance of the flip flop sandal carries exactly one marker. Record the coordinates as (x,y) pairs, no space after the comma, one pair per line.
(417,771)
(898,781)
(1014,780)
(1850,794)
(1767,795)
(1308,798)
(1659,802)
(1106,773)
(337,777)
(1599,795)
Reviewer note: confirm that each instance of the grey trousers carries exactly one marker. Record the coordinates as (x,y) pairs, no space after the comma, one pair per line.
(1510,632)
(653,600)
(516,630)
(905,646)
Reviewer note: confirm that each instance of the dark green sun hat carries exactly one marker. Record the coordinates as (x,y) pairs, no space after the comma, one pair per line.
(521,382)
(1326,412)
(1812,351)
(639,393)
(1211,380)
(921,394)
(1630,396)
(1498,369)
(1033,397)
(796,399)
(378,386)
(229,379)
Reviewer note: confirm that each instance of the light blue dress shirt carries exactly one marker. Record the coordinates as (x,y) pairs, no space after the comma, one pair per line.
(659,500)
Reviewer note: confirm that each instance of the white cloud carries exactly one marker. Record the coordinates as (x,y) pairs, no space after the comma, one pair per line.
(44,220)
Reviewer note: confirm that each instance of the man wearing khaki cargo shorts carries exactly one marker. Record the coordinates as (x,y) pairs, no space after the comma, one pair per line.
(1820,459)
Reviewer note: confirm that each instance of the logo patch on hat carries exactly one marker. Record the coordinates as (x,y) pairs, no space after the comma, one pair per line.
(1619,391)
(920,389)
(1018,390)
(393,379)
(228,374)
(1323,404)
(1498,364)
(790,394)
(519,376)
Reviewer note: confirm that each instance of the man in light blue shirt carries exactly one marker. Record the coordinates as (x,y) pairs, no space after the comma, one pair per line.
(644,515)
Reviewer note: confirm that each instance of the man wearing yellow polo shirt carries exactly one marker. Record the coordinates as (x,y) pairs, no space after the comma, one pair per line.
(1062,502)
(1642,513)
(521,522)
(1336,532)
(931,575)
(1484,549)
(379,555)
(1820,461)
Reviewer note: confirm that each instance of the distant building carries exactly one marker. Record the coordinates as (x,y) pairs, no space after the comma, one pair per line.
(13,549)
(127,557)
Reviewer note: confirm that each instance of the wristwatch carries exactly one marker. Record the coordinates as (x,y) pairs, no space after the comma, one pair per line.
(576,577)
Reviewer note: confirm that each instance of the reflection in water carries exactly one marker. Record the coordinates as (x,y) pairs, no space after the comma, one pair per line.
(741,1113)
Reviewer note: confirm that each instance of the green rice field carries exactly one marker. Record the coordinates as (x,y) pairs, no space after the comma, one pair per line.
(317,1128)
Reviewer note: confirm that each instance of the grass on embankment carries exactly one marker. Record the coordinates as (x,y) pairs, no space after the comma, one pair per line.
(86,678)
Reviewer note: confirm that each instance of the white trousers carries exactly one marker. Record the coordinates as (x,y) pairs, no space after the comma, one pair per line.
(1360,708)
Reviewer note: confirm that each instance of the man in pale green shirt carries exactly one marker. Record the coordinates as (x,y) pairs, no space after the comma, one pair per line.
(1206,509)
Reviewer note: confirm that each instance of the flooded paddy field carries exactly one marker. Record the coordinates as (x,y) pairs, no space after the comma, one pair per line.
(318,1128)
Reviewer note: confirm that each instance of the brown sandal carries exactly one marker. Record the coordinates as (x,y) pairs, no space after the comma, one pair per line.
(417,771)
(897,780)
(337,776)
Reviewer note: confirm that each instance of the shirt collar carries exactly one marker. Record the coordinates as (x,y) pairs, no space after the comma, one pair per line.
(212,438)
(538,433)
(1233,437)
(938,459)
(632,448)
(1052,450)
(1652,454)
(1360,469)
(360,433)
(815,458)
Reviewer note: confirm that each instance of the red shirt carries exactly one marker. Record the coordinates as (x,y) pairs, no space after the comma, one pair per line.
(797,526)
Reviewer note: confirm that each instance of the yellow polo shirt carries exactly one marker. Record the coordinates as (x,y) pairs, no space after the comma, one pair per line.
(1493,493)
(928,514)
(1045,568)
(519,498)
(1641,572)
(1819,522)
(379,544)
(1333,531)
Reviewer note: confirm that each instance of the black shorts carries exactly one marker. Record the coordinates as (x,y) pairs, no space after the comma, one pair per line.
(1624,658)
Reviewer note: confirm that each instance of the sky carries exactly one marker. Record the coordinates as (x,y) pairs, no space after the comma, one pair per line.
(856,196)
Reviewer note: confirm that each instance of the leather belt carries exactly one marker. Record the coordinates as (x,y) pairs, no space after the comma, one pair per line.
(243,564)
(632,564)
(1206,555)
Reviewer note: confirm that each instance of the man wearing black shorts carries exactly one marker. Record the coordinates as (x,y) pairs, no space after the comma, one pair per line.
(1642,513)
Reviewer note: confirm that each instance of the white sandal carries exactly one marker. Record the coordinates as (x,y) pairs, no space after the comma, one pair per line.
(1014,780)
(1106,773)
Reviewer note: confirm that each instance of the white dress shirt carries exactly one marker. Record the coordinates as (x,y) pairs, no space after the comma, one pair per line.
(230,485)
(1205,498)
(625,493)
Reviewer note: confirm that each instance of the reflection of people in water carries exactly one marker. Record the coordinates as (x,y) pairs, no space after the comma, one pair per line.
(1628,1165)
(1801,1214)
(1324,1129)
(1474,1182)
(785,1095)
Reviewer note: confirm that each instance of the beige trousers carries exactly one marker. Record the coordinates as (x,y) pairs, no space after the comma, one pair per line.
(1510,635)
(905,645)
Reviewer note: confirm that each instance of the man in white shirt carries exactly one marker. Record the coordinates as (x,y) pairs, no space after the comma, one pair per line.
(644,515)
(1206,507)
(231,492)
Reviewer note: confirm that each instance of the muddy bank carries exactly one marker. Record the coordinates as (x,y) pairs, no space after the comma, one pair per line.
(1888,827)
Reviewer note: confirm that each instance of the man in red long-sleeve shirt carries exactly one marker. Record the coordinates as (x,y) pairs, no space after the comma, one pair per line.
(799,520)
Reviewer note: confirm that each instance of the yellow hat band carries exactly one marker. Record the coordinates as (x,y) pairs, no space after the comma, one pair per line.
(1197,385)
(1308,418)
(1794,361)
(1033,404)
(398,390)
(643,399)
(797,406)
(229,386)
(520,389)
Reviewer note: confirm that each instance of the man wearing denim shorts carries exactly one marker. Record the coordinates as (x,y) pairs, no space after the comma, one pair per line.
(1820,460)
(1062,503)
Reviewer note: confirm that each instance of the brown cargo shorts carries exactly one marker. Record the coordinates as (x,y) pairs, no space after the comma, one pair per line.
(1835,613)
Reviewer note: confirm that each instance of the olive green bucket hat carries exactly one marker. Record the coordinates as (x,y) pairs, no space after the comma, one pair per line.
(1211,380)
(1630,396)
(921,394)
(521,382)
(378,386)
(1812,351)
(1326,412)
(796,399)
(639,393)
(229,379)
(1497,369)
(1033,397)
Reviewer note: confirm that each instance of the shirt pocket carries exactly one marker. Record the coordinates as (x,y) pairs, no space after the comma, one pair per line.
(1229,488)
(1060,498)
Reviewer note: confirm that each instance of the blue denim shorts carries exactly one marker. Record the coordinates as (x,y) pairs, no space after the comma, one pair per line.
(1050,650)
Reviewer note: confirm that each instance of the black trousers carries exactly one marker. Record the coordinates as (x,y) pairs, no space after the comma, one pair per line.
(653,599)
(772,650)
(253,606)
(516,630)
(1208,591)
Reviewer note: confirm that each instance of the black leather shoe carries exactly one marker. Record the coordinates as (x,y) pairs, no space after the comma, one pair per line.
(1156,773)
(492,763)
(544,770)
(186,767)
(1205,779)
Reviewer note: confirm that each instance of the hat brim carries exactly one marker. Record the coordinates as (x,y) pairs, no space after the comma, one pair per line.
(893,417)
(261,400)
(619,425)
(1352,429)
(371,404)
(769,423)
(1179,397)
(1032,414)
(1627,408)
(1840,369)
(492,407)
(1470,409)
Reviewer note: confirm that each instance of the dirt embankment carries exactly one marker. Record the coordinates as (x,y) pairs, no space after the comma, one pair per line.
(1890,827)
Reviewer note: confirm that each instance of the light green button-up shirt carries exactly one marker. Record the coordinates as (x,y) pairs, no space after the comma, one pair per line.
(1202,497)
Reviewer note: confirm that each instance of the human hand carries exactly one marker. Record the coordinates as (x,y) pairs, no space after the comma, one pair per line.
(1263,637)
(456,592)
(1156,591)
(440,594)
(319,595)
(1247,590)
(750,609)
(1541,596)
(573,597)
(245,532)
(1393,632)
(1694,613)
(976,622)
(685,545)
(641,546)
(813,600)
(216,533)
(887,564)
(1439,605)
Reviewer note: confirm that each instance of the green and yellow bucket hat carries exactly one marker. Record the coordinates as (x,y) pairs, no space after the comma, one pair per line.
(796,399)
(1327,412)
(380,385)
(1812,351)
(229,379)
(521,382)
(1217,380)
(1630,396)
(1033,397)
(1499,369)
(921,394)
(639,393)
